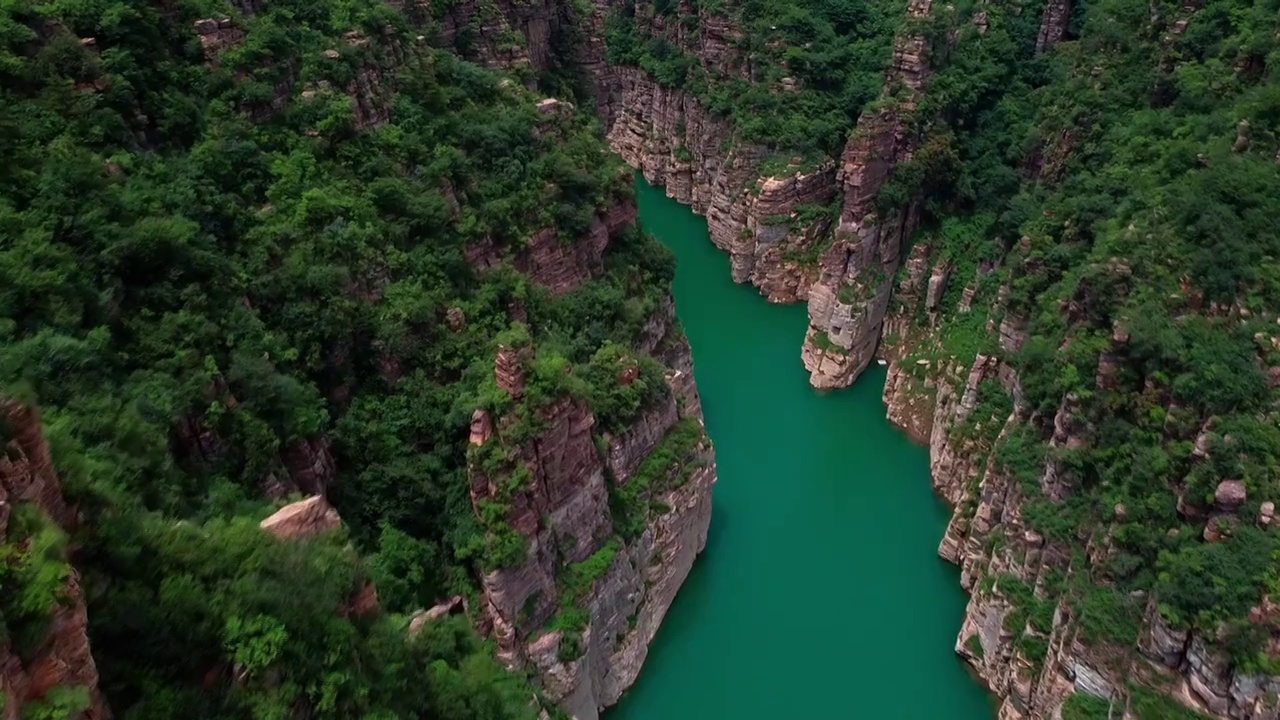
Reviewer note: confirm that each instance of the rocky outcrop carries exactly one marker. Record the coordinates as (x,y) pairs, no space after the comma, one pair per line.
(562,266)
(1021,632)
(216,34)
(302,519)
(587,636)
(455,605)
(558,262)
(847,304)
(1053,24)
(772,223)
(59,658)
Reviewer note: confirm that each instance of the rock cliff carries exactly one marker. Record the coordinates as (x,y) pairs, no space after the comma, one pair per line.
(848,303)
(771,224)
(47,656)
(1037,629)
(1046,627)
(607,525)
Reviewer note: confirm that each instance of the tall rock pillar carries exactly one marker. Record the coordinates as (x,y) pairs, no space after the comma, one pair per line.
(848,303)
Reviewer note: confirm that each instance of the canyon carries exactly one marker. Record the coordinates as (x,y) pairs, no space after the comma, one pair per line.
(862,305)
(1095,395)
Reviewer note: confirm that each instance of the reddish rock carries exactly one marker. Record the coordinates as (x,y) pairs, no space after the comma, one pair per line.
(455,319)
(481,427)
(365,602)
(62,655)
(561,263)
(676,143)
(455,605)
(1220,527)
(1053,24)
(302,519)
(310,464)
(1230,494)
(216,34)
(848,303)
(509,371)
(629,375)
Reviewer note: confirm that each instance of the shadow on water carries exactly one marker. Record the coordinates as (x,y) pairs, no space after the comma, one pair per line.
(820,593)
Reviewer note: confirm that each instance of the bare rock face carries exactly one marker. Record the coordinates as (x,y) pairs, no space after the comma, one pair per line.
(555,261)
(216,34)
(505,35)
(848,304)
(453,606)
(990,542)
(562,512)
(563,264)
(771,225)
(302,519)
(1053,24)
(310,465)
(62,657)
(1230,495)
(508,373)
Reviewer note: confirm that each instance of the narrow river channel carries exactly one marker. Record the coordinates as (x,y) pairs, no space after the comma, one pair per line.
(820,594)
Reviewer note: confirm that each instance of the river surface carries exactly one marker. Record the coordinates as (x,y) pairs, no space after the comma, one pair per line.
(820,594)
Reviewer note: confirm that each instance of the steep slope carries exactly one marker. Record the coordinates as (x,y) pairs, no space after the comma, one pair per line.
(1113,490)
(269,251)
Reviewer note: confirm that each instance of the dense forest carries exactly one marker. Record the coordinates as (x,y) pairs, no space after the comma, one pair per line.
(234,268)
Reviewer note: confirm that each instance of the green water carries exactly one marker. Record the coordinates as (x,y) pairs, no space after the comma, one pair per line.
(820,594)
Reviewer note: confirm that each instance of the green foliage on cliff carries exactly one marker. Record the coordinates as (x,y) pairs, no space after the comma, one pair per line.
(230,259)
(33,573)
(670,464)
(622,385)
(814,64)
(1122,186)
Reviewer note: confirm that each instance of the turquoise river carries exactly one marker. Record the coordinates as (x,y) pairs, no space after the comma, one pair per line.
(820,594)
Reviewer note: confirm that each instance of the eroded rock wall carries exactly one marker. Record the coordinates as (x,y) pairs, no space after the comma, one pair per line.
(1034,665)
(563,515)
(847,304)
(770,224)
(60,657)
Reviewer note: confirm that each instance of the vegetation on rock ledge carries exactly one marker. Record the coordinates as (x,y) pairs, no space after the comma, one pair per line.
(232,256)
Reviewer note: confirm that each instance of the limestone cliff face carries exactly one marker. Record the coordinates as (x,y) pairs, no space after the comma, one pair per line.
(60,657)
(848,303)
(770,224)
(561,511)
(1035,664)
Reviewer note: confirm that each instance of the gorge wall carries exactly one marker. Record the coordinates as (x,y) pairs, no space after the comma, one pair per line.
(581,604)
(1096,380)
(1032,630)
(612,522)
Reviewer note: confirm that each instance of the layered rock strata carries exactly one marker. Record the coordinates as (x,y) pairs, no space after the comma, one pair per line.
(59,659)
(847,304)
(771,224)
(561,511)
(1005,564)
